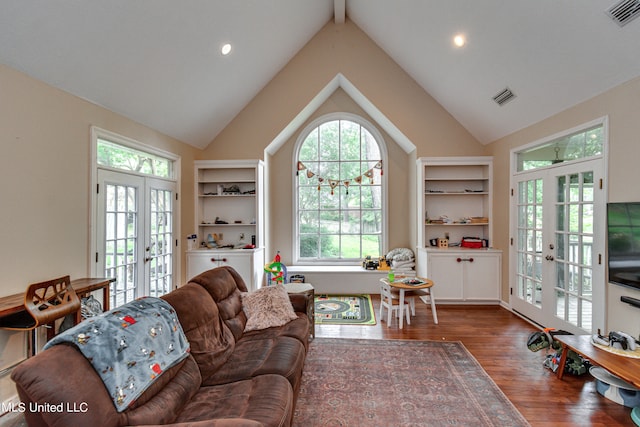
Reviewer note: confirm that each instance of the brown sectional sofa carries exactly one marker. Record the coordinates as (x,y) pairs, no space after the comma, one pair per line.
(230,378)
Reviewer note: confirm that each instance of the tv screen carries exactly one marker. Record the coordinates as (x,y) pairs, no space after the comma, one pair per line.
(623,241)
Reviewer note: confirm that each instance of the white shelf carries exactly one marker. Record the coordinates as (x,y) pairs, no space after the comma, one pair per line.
(226,195)
(456,224)
(207,224)
(210,179)
(211,176)
(455,193)
(458,188)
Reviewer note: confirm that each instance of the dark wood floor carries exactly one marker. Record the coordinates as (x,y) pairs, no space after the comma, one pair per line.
(497,338)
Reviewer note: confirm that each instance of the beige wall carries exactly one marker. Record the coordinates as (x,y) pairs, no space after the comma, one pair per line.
(44,185)
(45,178)
(621,104)
(344,49)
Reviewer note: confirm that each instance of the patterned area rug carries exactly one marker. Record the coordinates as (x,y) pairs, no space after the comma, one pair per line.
(355,382)
(344,310)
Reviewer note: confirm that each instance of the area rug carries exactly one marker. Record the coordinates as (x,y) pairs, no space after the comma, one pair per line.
(344,310)
(356,382)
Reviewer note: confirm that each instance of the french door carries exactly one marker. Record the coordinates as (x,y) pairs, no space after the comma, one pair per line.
(135,234)
(558,231)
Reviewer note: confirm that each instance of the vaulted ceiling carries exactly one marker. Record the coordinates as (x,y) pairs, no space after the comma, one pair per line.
(159,62)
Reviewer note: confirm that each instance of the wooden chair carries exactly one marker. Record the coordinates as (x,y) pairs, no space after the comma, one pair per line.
(390,301)
(44,303)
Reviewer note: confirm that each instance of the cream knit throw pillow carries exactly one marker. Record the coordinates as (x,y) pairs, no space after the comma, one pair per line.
(267,307)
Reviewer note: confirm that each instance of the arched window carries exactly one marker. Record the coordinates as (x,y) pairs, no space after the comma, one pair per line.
(340,191)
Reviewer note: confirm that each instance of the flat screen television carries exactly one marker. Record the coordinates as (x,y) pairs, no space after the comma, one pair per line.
(623,243)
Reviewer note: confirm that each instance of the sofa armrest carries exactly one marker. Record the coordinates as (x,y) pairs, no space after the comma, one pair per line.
(299,302)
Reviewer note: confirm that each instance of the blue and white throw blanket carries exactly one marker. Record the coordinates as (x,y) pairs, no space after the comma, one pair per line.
(129,346)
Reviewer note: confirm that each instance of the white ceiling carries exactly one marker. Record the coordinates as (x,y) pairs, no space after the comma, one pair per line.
(158,61)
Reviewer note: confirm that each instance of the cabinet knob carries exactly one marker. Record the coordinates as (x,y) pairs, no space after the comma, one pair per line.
(464,259)
(218,260)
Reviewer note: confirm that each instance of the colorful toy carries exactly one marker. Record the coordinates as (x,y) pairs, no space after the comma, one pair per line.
(539,340)
(276,271)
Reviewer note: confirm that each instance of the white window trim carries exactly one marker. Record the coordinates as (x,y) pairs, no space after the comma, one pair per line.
(604,121)
(99,133)
(600,292)
(384,184)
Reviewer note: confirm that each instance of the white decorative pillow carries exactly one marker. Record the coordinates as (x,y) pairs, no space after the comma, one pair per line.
(267,307)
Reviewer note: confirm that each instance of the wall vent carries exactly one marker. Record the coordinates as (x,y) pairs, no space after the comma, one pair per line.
(624,11)
(504,96)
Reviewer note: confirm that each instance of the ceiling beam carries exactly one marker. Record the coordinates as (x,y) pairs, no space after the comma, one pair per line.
(339,11)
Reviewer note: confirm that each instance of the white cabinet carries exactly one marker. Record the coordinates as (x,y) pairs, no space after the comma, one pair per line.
(229,206)
(454,199)
(470,275)
(248,263)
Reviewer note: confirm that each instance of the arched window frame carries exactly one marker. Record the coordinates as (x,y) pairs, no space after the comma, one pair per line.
(381,176)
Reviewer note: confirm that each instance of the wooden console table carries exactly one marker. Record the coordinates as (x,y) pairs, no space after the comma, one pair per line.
(627,368)
(83,287)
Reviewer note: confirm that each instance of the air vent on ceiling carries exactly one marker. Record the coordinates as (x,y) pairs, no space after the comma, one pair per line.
(624,11)
(504,96)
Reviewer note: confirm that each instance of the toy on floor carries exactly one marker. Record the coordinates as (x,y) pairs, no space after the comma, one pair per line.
(539,340)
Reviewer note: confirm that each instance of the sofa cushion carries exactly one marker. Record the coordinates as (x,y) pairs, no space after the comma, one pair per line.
(210,339)
(267,307)
(225,286)
(298,328)
(282,355)
(266,400)
(167,397)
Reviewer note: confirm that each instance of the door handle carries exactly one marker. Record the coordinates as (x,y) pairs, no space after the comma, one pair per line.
(219,259)
(549,258)
(464,259)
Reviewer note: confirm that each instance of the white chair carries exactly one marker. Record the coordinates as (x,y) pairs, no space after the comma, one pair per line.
(390,301)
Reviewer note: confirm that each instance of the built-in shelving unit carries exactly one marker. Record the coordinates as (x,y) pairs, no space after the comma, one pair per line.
(454,198)
(229,197)
(229,207)
(455,201)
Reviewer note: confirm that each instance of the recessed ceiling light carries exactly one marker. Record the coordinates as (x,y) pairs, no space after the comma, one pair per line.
(459,40)
(226,49)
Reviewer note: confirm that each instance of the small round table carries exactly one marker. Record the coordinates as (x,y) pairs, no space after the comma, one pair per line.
(425,287)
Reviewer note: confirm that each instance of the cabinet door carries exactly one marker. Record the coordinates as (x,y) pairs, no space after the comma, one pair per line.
(482,277)
(447,275)
(199,263)
(243,264)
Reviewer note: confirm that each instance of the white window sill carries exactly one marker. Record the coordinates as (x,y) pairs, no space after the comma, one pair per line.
(331,269)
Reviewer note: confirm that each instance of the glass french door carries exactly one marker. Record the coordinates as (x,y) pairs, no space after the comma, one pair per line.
(135,227)
(558,277)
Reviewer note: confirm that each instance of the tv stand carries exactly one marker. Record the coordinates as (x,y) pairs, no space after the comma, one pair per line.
(630,300)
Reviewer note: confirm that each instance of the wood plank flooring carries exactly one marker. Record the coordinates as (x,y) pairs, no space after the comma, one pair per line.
(497,339)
